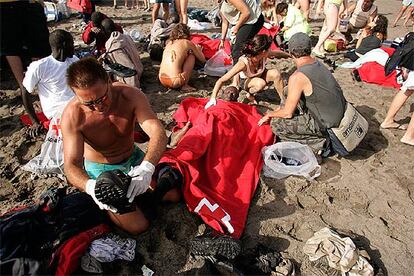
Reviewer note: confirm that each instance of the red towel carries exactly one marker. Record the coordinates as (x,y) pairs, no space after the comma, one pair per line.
(220,159)
(210,46)
(373,72)
(79,4)
(271,32)
(42,118)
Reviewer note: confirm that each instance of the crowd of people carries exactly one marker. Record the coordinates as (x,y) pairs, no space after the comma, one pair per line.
(114,104)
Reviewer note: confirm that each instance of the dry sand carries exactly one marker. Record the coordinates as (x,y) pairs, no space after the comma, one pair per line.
(368,195)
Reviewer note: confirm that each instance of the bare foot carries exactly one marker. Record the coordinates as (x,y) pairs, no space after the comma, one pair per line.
(187,88)
(407,141)
(176,136)
(393,125)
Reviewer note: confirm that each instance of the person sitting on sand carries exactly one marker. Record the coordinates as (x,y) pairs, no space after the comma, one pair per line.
(314,89)
(178,59)
(400,98)
(363,13)
(252,66)
(93,32)
(293,20)
(49,76)
(98,135)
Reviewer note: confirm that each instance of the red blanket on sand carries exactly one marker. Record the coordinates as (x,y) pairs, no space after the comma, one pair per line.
(210,46)
(220,159)
(372,72)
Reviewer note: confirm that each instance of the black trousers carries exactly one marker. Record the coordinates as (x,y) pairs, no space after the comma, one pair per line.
(246,32)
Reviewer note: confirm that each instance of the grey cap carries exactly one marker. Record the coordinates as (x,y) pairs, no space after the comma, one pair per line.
(299,41)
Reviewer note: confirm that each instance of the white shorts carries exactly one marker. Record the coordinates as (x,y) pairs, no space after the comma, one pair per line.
(407,3)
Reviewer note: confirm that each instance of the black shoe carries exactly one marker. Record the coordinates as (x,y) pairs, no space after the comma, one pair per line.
(221,246)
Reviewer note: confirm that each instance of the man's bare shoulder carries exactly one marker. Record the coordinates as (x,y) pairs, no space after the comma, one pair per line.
(128,92)
(297,77)
(72,113)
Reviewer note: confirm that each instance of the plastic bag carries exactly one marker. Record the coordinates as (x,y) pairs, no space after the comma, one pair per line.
(50,159)
(219,64)
(290,158)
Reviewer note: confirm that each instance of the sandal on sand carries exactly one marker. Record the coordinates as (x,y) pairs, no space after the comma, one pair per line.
(318,54)
(396,126)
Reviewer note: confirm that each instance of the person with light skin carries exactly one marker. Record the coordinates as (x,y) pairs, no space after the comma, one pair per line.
(331,10)
(313,84)
(253,65)
(293,20)
(156,9)
(181,6)
(406,90)
(303,5)
(406,5)
(269,12)
(178,59)
(98,135)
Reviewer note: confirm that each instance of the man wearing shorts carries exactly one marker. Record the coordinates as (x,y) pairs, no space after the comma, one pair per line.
(156,9)
(98,131)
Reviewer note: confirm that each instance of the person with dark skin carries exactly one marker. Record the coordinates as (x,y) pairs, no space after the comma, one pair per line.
(49,76)
(98,135)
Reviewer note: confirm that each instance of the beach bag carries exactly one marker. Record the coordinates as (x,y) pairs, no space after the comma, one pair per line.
(290,158)
(219,64)
(403,56)
(350,132)
(214,16)
(50,159)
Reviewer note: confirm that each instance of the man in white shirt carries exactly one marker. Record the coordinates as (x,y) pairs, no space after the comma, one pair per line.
(49,76)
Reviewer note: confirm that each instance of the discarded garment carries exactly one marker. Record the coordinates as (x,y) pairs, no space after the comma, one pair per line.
(378,55)
(113,247)
(342,253)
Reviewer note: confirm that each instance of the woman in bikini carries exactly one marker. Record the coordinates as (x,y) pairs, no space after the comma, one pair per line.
(178,59)
(252,67)
(331,11)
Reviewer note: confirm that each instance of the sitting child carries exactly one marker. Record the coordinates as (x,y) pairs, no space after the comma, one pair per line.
(293,21)
(269,12)
(253,66)
(370,38)
(179,58)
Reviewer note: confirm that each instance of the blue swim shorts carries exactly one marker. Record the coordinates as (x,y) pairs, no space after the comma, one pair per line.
(94,169)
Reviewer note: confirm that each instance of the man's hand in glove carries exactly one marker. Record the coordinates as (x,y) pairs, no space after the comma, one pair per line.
(141,179)
(90,190)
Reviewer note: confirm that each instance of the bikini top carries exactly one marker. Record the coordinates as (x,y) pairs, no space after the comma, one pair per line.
(248,71)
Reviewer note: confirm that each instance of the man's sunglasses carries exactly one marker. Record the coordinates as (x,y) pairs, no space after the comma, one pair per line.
(98,101)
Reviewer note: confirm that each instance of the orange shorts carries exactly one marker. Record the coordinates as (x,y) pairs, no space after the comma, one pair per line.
(172,82)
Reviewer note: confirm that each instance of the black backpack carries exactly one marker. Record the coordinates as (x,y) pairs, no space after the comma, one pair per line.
(403,56)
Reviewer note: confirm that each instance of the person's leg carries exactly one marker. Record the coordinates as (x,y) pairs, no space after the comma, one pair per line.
(155,11)
(188,67)
(304,7)
(273,75)
(396,104)
(183,15)
(133,222)
(253,86)
(16,66)
(399,15)
(409,15)
(114,6)
(166,9)
(178,8)
(331,20)
(246,32)
(319,8)
(408,137)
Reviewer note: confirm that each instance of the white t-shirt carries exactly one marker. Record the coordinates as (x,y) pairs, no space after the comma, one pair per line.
(49,75)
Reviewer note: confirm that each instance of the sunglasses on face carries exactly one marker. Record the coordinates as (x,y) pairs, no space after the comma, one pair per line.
(99,101)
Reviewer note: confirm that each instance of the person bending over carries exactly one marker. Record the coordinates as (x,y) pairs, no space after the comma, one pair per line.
(319,96)
(179,58)
(252,66)
(49,76)
(407,89)
(98,131)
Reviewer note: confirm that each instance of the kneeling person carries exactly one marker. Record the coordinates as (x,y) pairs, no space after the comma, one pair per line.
(98,130)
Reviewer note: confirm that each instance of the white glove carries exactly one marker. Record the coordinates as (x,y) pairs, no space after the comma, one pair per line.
(211,102)
(141,179)
(90,190)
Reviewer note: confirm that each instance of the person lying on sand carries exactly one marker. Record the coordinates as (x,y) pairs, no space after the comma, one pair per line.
(252,67)
(98,130)
(400,98)
(178,59)
(324,104)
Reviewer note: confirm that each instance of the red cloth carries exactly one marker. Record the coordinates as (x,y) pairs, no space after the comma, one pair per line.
(42,118)
(373,72)
(270,32)
(68,254)
(79,5)
(88,36)
(210,46)
(220,159)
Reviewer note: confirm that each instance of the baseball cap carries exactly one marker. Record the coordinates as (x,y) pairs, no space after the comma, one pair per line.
(299,41)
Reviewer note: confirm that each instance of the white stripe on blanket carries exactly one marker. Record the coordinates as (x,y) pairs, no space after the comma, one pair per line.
(378,55)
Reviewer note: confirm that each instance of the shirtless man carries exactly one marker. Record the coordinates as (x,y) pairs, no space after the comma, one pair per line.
(178,59)
(98,130)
